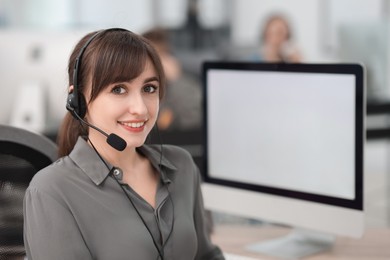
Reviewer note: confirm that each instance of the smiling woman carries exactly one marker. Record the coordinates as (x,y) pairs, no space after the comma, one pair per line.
(101,202)
(128,109)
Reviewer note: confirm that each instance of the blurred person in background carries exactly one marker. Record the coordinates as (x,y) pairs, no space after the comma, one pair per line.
(277,42)
(181,108)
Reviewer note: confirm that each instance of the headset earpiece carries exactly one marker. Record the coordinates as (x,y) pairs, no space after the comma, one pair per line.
(75,106)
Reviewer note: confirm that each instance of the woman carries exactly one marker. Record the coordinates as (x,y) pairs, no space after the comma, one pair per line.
(277,43)
(98,202)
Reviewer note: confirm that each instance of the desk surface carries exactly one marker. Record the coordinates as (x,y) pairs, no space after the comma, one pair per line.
(375,243)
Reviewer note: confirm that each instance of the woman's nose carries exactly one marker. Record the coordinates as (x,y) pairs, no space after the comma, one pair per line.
(137,105)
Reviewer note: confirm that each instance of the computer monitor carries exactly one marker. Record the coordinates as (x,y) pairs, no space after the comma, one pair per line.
(283,143)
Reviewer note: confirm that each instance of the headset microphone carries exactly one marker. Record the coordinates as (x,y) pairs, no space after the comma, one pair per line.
(113,140)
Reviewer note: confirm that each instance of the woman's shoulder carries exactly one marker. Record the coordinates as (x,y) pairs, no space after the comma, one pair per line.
(53,175)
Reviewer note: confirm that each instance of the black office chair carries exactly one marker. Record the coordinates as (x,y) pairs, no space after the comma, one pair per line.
(22,154)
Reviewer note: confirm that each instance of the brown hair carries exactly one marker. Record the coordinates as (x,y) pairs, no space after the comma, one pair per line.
(112,56)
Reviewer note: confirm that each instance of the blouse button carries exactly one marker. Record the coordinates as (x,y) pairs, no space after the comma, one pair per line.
(117,172)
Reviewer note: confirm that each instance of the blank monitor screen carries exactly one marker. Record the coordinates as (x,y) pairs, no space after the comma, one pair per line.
(290,130)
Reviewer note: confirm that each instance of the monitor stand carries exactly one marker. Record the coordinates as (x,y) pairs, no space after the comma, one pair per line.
(295,245)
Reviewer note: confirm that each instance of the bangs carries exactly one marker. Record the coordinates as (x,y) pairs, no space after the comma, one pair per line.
(120,59)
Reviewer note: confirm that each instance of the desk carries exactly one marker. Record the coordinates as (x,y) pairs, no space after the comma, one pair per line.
(374,245)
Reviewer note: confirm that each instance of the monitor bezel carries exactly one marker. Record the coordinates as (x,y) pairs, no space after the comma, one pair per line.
(340,68)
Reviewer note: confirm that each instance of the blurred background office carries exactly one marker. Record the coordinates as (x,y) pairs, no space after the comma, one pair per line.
(36,37)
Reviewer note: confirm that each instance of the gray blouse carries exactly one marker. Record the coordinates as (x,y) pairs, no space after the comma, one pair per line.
(76,209)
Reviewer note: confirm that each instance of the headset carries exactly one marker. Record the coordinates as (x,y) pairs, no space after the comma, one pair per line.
(76,104)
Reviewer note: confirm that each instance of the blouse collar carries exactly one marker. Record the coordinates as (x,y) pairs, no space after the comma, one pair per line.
(90,163)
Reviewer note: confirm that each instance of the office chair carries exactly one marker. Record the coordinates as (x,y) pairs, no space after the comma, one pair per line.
(22,154)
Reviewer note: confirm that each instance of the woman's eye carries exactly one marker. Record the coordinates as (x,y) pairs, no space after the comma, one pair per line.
(118,89)
(150,89)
